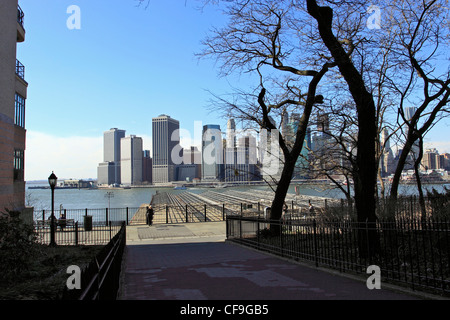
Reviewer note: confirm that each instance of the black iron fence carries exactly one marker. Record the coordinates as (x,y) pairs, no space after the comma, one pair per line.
(100,280)
(409,252)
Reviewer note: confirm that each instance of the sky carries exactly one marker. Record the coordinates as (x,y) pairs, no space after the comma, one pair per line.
(122,65)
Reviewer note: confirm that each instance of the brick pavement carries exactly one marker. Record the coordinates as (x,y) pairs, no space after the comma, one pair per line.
(188,262)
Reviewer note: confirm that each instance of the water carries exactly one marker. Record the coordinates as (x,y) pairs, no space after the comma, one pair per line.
(40,199)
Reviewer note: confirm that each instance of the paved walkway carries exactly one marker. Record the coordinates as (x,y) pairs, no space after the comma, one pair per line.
(193,262)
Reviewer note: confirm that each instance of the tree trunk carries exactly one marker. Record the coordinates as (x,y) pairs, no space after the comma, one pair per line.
(366,167)
(280,196)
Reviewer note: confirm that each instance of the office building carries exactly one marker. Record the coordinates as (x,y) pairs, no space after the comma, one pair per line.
(146,167)
(191,167)
(167,152)
(387,156)
(212,153)
(13,95)
(109,171)
(241,161)
(271,158)
(231,134)
(131,160)
(415,149)
(302,163)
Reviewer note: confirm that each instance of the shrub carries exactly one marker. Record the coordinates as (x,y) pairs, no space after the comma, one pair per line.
(18,246)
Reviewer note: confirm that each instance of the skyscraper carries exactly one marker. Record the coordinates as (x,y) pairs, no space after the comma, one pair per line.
(387,157)
(131,160)
(231,133)
(415,149)
(212,153)
(108,172)
(166,141)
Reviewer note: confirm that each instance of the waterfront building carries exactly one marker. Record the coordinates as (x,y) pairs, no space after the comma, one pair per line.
(192,164)
(431,160)
(165,141)
(13,94)
(131,160)
(106,173)
(212,153)
(231,134)
(387,157)
(415,149)
(445,161)
(109,171)
(271,158)
(302,163)
(146,167)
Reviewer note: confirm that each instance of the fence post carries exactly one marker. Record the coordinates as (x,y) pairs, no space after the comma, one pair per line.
(186,213)
(106,217)
(205,212)
(167,214)
(76,233)
(223,211)
(127,216)
(43,215)
(315,243)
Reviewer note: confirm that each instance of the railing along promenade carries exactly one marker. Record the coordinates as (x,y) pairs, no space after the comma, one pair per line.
(100,280)
(411,250)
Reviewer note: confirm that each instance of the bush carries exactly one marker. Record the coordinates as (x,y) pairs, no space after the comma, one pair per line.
(18,246)
(440,203)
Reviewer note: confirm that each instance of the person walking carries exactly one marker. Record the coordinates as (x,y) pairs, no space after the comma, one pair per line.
(150,215)
(311,209)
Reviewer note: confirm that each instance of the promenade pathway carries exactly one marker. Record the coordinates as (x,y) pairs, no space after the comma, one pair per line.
(194,262)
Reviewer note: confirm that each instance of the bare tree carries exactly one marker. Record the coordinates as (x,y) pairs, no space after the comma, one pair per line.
(422,46)
(265,38)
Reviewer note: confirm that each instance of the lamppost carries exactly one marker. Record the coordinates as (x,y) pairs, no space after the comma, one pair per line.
(52,182)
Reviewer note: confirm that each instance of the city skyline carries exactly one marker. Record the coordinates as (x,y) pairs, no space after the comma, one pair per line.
(120,70)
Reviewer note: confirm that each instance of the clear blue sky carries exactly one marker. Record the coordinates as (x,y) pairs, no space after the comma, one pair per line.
(124,66)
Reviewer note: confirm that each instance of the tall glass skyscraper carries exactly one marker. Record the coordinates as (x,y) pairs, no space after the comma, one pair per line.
(212,153)
(109,170)
(131,160)
(165,138)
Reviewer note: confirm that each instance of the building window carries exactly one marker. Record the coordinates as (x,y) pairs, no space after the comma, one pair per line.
(19,118)
(18,164)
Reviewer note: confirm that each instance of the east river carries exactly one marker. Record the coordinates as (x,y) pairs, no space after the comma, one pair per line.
(40,199)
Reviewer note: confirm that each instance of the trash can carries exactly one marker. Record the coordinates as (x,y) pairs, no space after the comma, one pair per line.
(87,223)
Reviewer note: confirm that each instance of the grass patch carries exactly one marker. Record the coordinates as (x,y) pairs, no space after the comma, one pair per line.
(44,276)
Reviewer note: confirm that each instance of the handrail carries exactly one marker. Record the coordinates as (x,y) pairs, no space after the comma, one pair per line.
(20,16)
(104,267)
(20,69)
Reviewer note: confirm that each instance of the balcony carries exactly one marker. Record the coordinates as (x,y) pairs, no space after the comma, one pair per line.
(20,70)
(20,27)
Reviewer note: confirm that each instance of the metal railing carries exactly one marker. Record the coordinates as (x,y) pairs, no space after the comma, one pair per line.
(163,214)
(412,252)
(20,70)
(76,233)
(20,16)
(100,280)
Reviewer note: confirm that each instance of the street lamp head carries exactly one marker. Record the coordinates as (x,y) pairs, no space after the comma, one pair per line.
(52,180)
